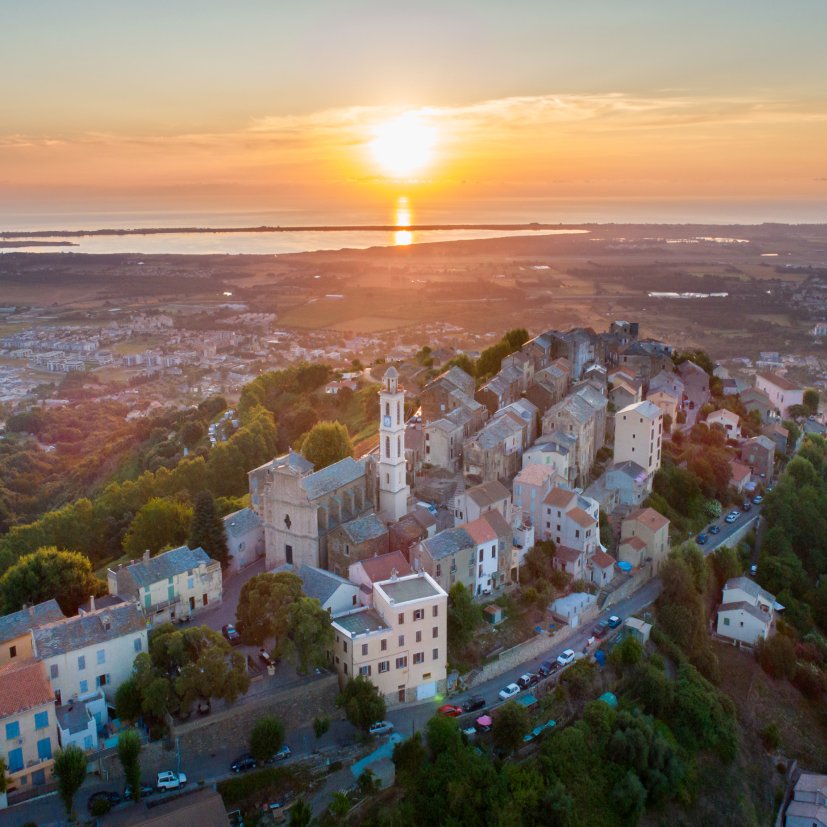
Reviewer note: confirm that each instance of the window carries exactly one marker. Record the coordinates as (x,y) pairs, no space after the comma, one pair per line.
(439,569)
(137,644)
(288,554)
(344,645)
(44,749)
(402,663)
(401,640)
(435,611)
(347,549)
(419,614)
(419,657)
(190,583)
(101,655)
(101,680)
(364,648)
(480,555)
(364,671)
(344,666)
(493,552)
(15,759)
(12,651)
(81,662)
(577,532)
(41,720)
(287,522)
(53,671)
(384,666)
(84,687)
(419,637)
(387,447)
(401,617)
(204,599)
(384,645)
(12,730)
(726,621)
(436,654)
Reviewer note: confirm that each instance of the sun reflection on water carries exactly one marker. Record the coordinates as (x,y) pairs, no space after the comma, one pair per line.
(402,218)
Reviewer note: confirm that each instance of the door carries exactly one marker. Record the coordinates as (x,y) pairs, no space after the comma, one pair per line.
(192,604)
(402,694)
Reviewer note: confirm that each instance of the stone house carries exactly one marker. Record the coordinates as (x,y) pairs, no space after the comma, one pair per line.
(623,393)
(174,584)
(443,394)
(493,540)
(358,539)
(245,538)
(549,385)
(740,476)
(530,487)
(365,573)
(601,568)
(570,561)
(570,519)
(695,380)
(808,807)
(653,529)
(759,454)
(443,444)
(300,507)
(406,533)
(494,453)
(16,630)
(756,400)
(554,450)
(779,435)
(621,484)
(449,557)
(576,416)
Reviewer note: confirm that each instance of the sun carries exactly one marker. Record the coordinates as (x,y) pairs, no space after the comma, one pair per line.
(405,145)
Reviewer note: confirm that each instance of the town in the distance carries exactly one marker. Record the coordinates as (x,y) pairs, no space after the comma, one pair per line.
(444,583)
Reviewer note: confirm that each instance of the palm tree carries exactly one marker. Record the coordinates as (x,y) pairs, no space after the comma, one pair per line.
(300,814)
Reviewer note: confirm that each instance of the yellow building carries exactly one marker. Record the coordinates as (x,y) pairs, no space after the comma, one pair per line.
(401,644)
(16,630)
(28,724)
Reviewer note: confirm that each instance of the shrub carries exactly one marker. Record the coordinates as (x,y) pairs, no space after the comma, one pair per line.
(236,790)
(771,737)
(777,656)
(320,726)
(809,680)
(100,807)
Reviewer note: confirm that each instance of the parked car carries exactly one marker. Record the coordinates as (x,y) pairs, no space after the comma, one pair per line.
(746,505)
(103,795)
(524,681)
(714,529)
(229,632)
(450,710)
(381,728)
(753,569)
(473,704)
(264,657)
(244,763)
(509,692)
(701,539)
(566,657)
(731,517)
(547,667)
(282,755)
(601,630)
(146,789)
(169,780)
(469,731)
(613,622)
(757,499)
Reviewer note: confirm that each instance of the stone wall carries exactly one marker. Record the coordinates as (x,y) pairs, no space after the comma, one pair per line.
(296,707)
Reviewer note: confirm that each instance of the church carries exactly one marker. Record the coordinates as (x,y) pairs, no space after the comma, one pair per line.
(300,506)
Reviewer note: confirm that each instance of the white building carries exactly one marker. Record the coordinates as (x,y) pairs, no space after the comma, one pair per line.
(245,538)
(91,651)
(393,487)
(638,436)
(747,611)
(782,393)
(176,583)
(570,519)
(334,593)
(729,421)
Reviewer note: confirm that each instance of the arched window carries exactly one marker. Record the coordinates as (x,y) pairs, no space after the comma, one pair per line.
(387,447)
(398,412)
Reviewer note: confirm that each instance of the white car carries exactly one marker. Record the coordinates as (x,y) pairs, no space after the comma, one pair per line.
(566,658)
(169,780)
(381,728)
(509,692)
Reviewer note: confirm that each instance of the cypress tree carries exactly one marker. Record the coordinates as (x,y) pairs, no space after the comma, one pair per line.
(207,529)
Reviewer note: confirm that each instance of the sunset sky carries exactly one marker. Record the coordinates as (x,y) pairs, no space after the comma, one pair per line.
(277,106)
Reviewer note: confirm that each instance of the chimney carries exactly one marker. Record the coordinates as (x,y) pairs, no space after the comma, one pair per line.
(92,603)
(146,556)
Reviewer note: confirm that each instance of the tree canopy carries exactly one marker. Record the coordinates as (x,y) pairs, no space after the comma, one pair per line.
(263,609)
(207,529)
(326,443)
(309,633)
(266,738)
(158,525)
(362,703)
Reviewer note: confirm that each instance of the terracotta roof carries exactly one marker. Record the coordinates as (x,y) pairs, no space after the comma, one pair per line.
(603,560)
(650,518)
(559,497)
(23,686)
(636,543)
(498,523)
(581,517)
(779,381)
(383,566)
(739,471)
(535,474)
(480,531)
(566,554)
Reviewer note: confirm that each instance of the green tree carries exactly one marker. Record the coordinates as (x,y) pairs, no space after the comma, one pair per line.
(320,726)
(362,703)
(129,753)
(49,573)
(192,433)
(207,529)
(263,609)
(340,805)
(70,770)
(464,616)
(158,525)
(628,652)
(309,633)
(301,814)
(266,738)
(811,401)
(510,724)
(777,656)
(128,700)
(326,443)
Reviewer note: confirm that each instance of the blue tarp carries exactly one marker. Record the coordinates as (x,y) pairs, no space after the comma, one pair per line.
(624,566)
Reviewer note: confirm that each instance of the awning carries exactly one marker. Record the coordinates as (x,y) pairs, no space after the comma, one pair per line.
(484,720)
(778,607)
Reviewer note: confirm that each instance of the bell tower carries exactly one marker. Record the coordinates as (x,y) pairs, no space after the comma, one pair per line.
(393,488)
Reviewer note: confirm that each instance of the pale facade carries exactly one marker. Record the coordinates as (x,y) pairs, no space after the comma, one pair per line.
(530,488)
(177,583)
(650,528)
(570,519)
(781,391)
(729,421)
(393,486)
(638,436)
(474,502)
(401,643)
(245,538)
(16,630)
(91,651)
(28,725)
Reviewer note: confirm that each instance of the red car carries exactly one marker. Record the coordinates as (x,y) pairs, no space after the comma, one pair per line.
(450,710)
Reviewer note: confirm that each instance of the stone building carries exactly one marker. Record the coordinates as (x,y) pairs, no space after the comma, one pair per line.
(358,539)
